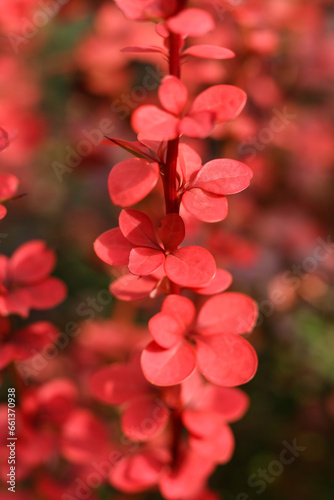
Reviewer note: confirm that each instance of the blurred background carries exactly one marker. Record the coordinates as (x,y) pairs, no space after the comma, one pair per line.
(64,84)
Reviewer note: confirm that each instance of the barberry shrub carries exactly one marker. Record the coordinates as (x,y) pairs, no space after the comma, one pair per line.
(178,394)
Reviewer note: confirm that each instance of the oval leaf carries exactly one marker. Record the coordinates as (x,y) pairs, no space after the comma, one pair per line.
(207,207)
(190,266)
(188,163)
(171,231)
(144,261)
(223,176)
(166,367)
(143,49)
(131,180)
(138,228)
(113,248)
(45,295)
(84,437)
(224,101)
(8,186)
(31,262)
(230,403)
(226,360)
(221,281)
(118,383)
(135,473)
(219,447)
(229,312)
(198,124)
(191,22)
(180,307)
(144,418)
(130,287)
(209,52)
(166,330)
(154,123)
(173,94)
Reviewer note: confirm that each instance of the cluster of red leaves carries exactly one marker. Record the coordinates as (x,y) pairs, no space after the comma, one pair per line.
(8,188)
(205,410)
(211,342)
(201,188)
(8,182)
(217,104)
(25,284)
(177,394)
(135,244)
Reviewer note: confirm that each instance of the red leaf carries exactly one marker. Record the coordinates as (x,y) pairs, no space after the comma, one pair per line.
(201,423)
(144,49)
(135,473)
(180,307)
(221,281)
(188,477)
(3,212)
(224,101)
(130,287)
(173,94)
(209,52)
(144,261)
(31,262)
(158,148)
(229,403)
(144,418)
(226,360)
(32,338)
(229,312)
(146,9)
(171,231)
(132,8)
(191,22)
(131,180)
(136,148)
(45,295)
(166,329)
(84,437)
(207,207)
(197,124)
(166,367)
(119,383)
(113,248)
(162,30)
(138,228)
(154,123)
(57,399)
(189,163)
(223,177)
(8,186)
(14,303)
(190,266)
(219,447)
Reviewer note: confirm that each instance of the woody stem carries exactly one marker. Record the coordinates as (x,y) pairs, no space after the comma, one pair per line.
(171,200)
